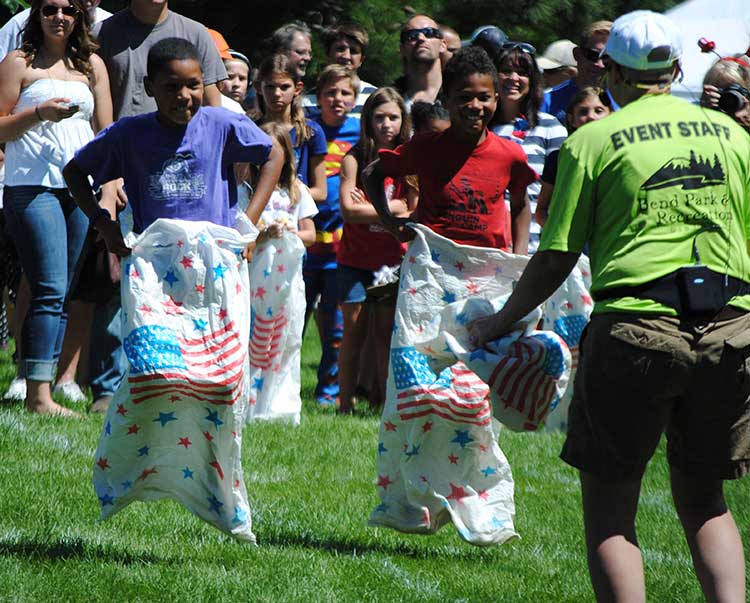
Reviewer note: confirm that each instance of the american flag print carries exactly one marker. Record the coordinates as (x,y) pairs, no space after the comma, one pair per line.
(567,313)
(277,297)
(207,368)
(457,394)
(174,427)
(438,458)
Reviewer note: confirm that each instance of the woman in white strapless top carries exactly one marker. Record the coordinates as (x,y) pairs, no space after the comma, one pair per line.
(54,94)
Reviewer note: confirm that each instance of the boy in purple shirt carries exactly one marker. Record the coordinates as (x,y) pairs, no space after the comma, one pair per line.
(177,162)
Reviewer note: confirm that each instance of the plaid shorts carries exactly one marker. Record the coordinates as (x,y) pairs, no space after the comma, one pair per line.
(641,376)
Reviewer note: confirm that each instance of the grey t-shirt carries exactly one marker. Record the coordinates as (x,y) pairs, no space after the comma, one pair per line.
(125,42)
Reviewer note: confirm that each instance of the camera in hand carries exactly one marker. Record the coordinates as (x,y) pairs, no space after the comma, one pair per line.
(733,98)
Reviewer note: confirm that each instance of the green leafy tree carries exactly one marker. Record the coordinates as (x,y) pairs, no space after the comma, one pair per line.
(246,25)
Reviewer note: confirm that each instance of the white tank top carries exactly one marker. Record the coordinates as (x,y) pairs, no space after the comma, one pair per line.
(40,154)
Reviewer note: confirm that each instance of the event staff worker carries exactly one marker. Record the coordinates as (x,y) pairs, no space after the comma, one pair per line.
(659,191)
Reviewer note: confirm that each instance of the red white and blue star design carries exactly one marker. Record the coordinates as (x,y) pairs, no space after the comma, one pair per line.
(174,427)
(278,317)
(438,457)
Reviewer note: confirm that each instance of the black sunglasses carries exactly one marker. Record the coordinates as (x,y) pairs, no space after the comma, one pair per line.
(412,35)
(51,11)
(521,46)
(591,55)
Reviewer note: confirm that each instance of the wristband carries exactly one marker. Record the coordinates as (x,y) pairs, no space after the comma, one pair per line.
(99,213)
(39,115)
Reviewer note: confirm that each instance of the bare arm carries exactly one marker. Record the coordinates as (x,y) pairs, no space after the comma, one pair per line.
(102,96)
(520,215)
(12,71)
(306,231)
(544,273)
(80,189)
(542,203)
(268,177)
(355,207)
(102,118)
(211,96)
(372,179)
(317,176)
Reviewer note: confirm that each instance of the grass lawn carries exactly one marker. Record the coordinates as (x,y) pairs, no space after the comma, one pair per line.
(311,490)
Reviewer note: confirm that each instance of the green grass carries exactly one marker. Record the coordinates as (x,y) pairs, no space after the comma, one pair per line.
(311,490)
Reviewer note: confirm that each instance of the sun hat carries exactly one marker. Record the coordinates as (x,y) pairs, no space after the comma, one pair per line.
(643,40)
(558,54)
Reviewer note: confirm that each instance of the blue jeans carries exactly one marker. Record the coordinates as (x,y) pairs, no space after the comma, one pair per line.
(48,230)
(331,325)
(107,362)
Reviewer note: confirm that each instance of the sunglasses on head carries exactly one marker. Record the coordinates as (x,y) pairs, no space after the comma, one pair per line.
(520,46)
(591,55)
(51,11)
(412,35)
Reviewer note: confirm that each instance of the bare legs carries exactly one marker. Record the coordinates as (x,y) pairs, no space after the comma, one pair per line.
(614,559)
(356,325)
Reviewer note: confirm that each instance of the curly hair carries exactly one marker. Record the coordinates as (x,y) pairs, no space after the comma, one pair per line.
(466,62)
(80,46)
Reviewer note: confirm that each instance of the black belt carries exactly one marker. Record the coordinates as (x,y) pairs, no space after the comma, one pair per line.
(677,290)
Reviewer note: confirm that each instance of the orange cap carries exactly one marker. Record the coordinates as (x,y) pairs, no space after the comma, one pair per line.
(220,43)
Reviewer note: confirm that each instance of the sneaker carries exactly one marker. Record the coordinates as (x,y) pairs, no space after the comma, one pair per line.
(69,390)
(17,390)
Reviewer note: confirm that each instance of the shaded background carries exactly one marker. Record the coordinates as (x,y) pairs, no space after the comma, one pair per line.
(245,24)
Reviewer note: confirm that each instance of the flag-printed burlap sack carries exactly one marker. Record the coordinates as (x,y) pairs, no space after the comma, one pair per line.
(174,427)
(438,456)
(278,317)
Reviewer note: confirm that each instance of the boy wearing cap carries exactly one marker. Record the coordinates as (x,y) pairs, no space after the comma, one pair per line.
(660,191)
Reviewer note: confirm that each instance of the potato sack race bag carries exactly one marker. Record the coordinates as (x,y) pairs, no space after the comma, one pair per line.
(438,456)
(174,427)
(278,317)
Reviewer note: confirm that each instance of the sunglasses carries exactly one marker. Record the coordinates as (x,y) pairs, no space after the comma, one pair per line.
(520,46)
(51,11)
(412,35)
(591,55)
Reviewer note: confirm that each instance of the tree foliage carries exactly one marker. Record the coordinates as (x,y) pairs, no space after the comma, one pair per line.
(246,24)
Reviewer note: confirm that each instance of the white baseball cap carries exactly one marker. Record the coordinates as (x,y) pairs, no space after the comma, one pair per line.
(558,54)
(644,40)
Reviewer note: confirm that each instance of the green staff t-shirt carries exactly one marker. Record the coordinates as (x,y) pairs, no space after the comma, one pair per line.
(641,185)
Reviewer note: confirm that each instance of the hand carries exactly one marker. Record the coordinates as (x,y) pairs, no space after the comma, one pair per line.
(710,97)
(742,116)
(247,253)
(399,208)
(399,229)
(56,109)
(274,231)
(110,232)
(122,198)
(488,328)
(358,196)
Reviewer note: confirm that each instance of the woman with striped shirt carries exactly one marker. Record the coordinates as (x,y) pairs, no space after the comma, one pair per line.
(519,119)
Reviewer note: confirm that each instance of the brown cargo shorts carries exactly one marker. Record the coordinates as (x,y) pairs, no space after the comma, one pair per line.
(640,376)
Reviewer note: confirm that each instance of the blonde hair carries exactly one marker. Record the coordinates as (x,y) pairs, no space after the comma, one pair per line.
(279,64)
(334,73)
(592,29)
(288,178)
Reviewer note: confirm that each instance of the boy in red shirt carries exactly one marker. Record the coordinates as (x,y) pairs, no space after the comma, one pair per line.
(463,171)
